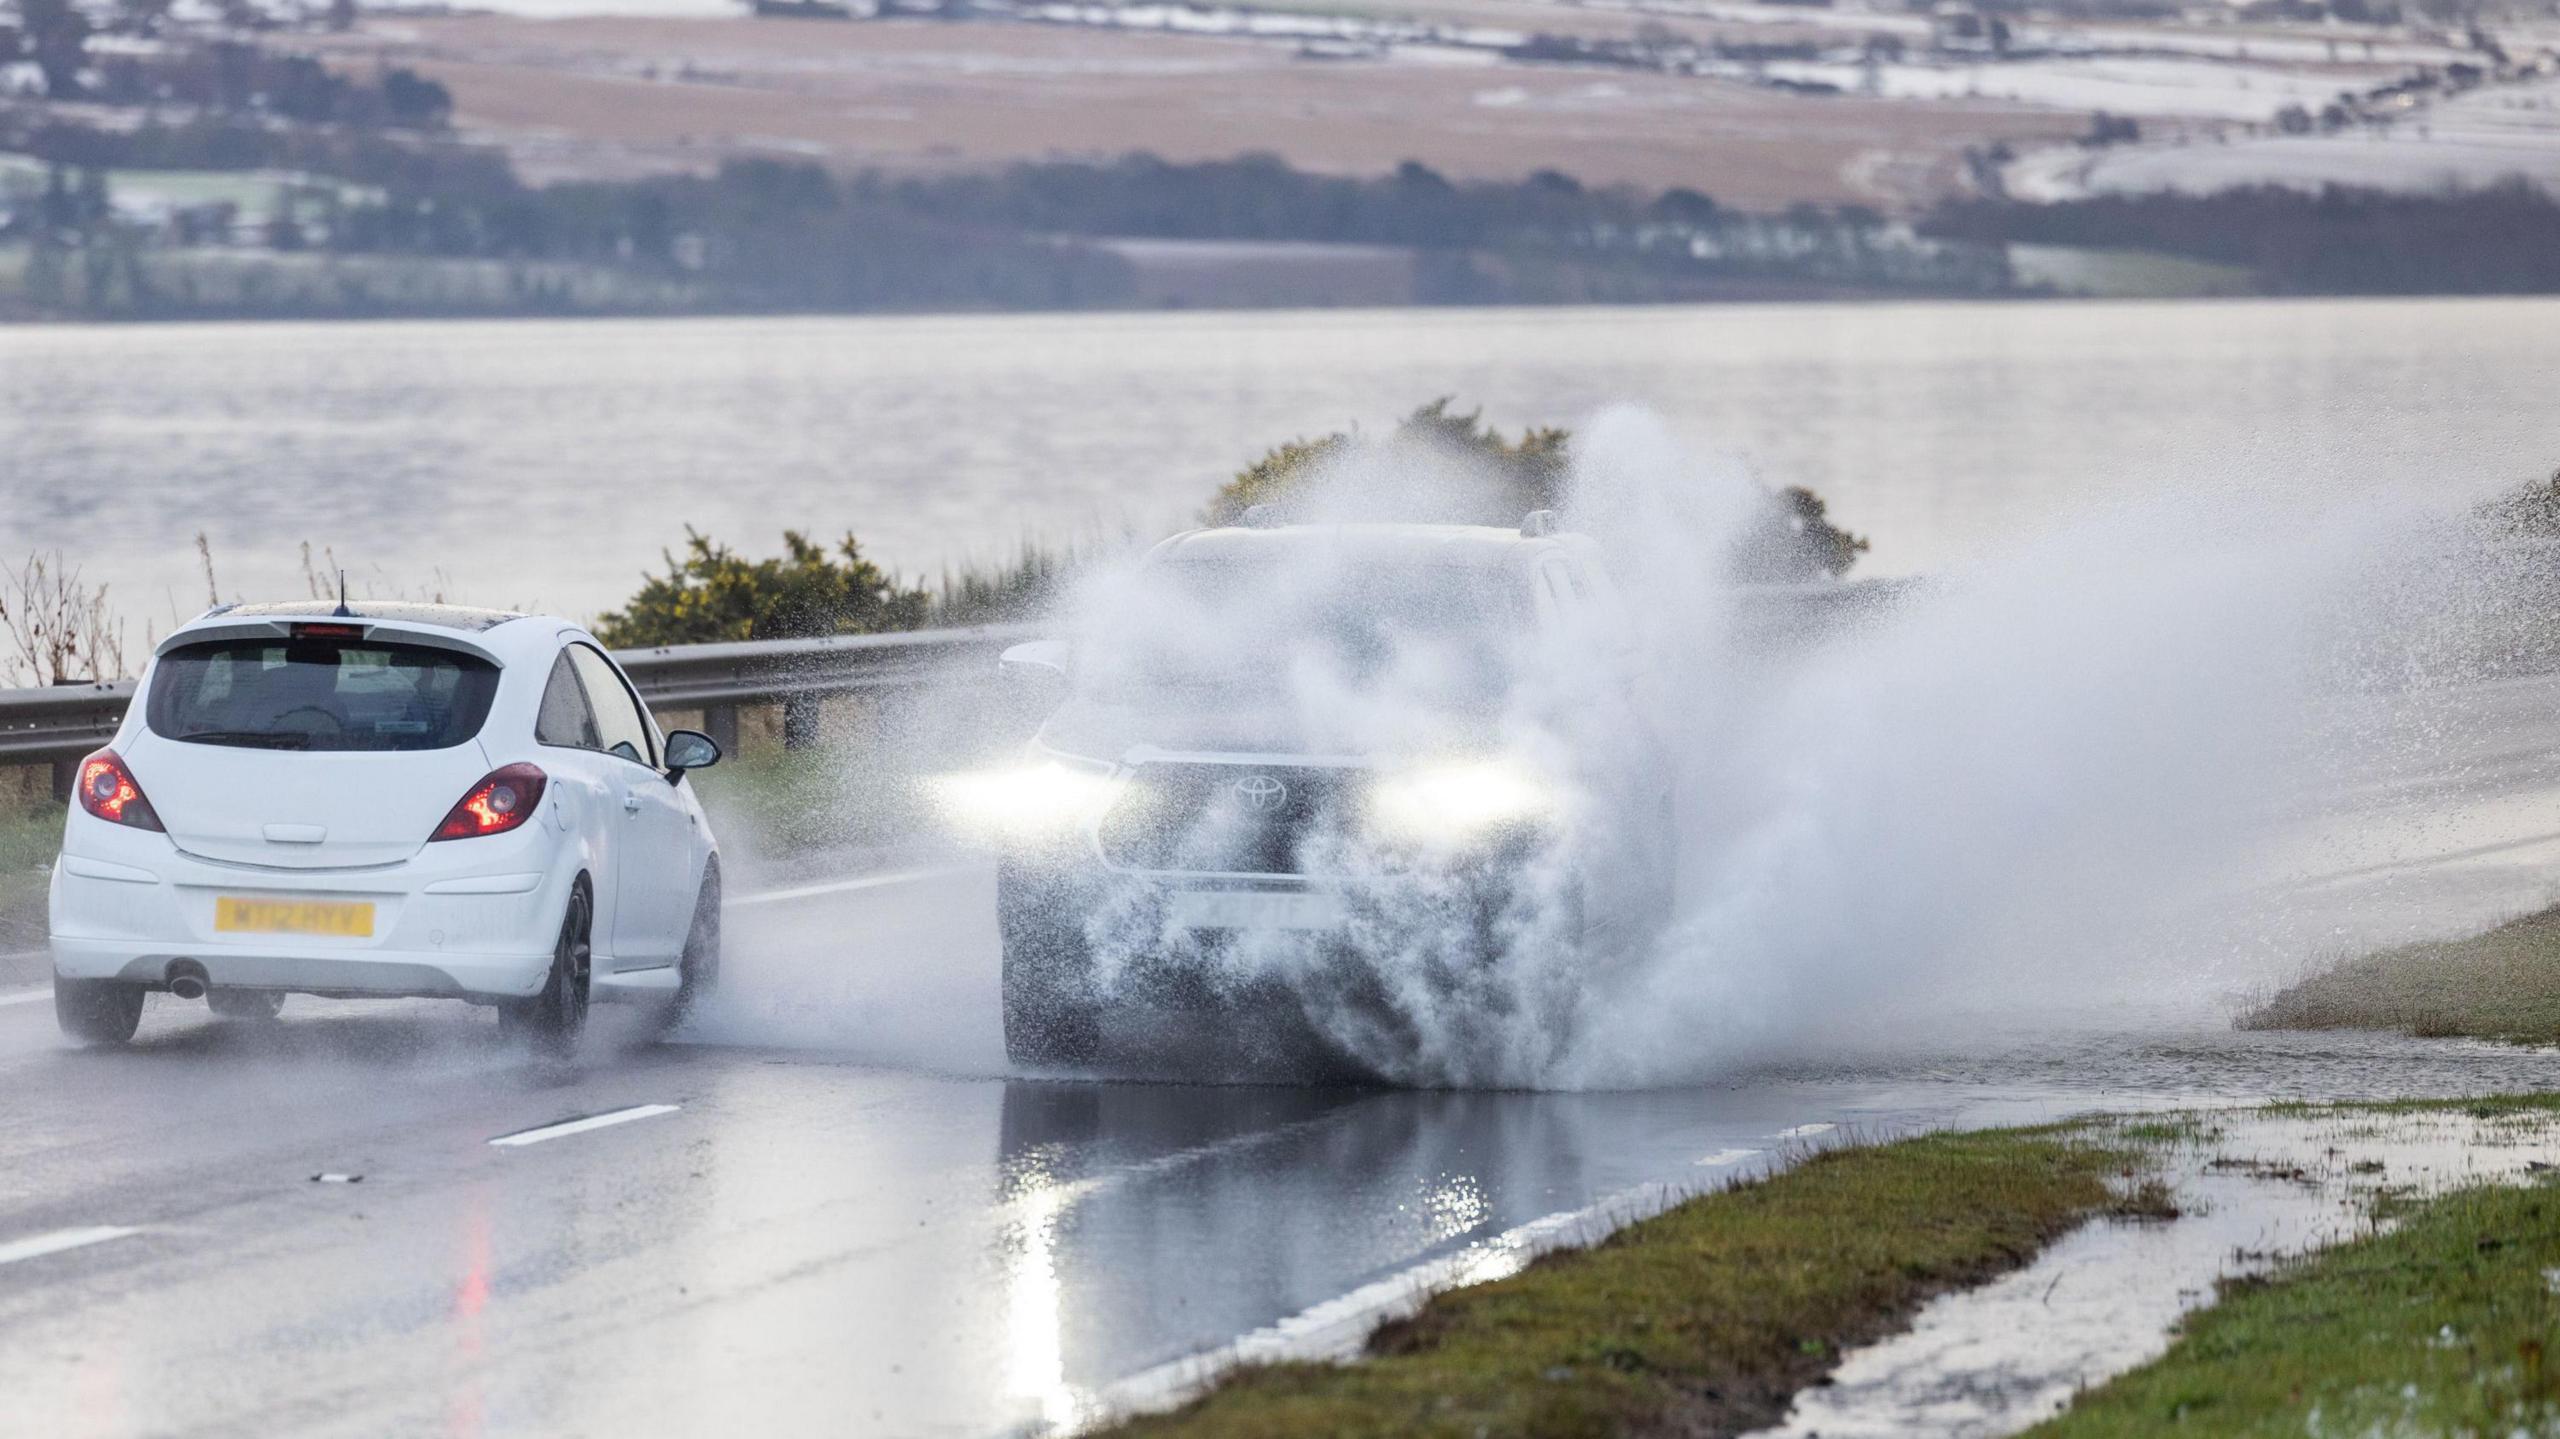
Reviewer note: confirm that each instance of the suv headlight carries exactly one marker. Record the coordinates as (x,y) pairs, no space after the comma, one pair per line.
(1045,799)
(1456,803)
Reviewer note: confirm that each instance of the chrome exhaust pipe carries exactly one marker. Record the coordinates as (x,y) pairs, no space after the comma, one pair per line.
(187,979)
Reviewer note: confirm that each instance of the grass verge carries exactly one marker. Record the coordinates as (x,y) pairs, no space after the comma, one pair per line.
(2442,1326)
(1702,1320)
(2504,984)
(781,802)
(29,838)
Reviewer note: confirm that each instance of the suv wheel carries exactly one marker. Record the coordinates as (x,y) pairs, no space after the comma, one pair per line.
(1050,1017)
(97,1011)
(698,973)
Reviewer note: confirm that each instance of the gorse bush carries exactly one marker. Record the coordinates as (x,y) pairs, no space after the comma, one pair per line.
(1015,589)
(714,594)
(1485,478)
(1499,480)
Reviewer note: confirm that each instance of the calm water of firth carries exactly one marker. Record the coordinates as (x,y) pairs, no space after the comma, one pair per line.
(546,463)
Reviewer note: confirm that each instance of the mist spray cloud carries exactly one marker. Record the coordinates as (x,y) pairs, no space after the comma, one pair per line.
(2051,777)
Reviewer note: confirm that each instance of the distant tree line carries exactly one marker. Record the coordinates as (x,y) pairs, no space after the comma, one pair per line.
(2339,240)
(1262,197)
(766,235)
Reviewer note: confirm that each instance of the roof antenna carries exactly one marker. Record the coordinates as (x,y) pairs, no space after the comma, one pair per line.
(342,612)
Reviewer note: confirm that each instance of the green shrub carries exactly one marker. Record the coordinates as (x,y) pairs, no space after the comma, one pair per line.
(1509,477)
(714,594)
(1500,480)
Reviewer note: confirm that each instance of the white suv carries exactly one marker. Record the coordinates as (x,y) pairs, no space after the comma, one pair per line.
(388,800)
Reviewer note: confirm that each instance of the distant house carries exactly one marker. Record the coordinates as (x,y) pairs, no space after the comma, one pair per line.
(1958,28)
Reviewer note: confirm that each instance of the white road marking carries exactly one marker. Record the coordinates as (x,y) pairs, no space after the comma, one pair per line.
(37,995)
(60,1240)
(1724,1157)
(1804,1131)
(568,1127)
(842,886)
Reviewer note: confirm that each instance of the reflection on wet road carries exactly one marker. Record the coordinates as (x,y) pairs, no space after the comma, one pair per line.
(833,1211)
(801,1242)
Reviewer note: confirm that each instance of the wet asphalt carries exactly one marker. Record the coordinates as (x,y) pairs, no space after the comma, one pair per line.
(830,1209)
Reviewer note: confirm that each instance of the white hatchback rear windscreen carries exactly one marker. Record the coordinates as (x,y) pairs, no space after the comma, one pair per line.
(305,694)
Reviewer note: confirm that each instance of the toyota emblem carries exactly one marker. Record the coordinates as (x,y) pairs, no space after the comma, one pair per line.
(1261,793)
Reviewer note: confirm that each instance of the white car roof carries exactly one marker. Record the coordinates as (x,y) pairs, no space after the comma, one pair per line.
(500,636)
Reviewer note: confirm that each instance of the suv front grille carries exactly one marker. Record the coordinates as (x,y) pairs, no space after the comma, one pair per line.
(1224,818)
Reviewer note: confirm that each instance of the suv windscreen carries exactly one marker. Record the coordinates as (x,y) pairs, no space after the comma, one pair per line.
(1255,631)
(320,695)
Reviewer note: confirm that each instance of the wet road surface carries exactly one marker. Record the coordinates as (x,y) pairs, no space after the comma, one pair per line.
(831,1210)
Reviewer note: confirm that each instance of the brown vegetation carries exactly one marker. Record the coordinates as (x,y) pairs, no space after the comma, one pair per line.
(2504,984)
(605,97)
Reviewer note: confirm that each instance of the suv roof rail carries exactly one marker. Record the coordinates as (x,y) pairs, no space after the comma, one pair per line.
(1537,524)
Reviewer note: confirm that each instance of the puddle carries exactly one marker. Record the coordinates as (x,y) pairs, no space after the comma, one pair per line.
(2252,1188)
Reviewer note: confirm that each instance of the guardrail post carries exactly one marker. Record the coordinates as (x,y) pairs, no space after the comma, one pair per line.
(721,723)
(799,720)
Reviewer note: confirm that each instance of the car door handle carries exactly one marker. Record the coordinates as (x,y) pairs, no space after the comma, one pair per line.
(630,803)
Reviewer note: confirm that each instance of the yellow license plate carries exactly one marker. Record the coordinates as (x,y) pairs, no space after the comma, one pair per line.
(352,919)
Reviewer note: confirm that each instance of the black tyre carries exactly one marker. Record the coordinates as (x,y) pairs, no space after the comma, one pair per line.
(1050,1017)
(554,1019)
(257,1006)
(699,971)
(97,1011)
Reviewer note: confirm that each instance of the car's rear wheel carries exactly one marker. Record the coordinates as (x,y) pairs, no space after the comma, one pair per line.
(555,1018)
(698,973)
(255,1005)
(97,1011)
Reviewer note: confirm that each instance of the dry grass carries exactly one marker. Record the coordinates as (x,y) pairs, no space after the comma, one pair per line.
(2504,984)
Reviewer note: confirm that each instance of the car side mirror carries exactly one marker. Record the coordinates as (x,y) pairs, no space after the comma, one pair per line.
(690,750)
(1041,660)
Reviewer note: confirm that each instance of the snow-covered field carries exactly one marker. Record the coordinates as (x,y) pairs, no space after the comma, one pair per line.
(2120,84)
(2475,139)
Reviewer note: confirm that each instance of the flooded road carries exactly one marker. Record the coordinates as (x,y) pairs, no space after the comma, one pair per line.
(833,1208)
(802,1242)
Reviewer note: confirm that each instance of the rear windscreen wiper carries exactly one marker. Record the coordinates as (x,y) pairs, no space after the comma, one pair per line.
(259,738)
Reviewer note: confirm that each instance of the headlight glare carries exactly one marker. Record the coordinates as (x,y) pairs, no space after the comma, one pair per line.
(1045,799)
(1458,802)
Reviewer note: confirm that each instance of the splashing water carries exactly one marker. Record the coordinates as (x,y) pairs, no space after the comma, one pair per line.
(2054,777)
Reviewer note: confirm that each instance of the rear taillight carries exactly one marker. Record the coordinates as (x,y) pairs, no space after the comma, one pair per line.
(107,790)
(495,805)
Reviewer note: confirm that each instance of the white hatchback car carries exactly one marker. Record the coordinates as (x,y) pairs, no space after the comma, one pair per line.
(388,800)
